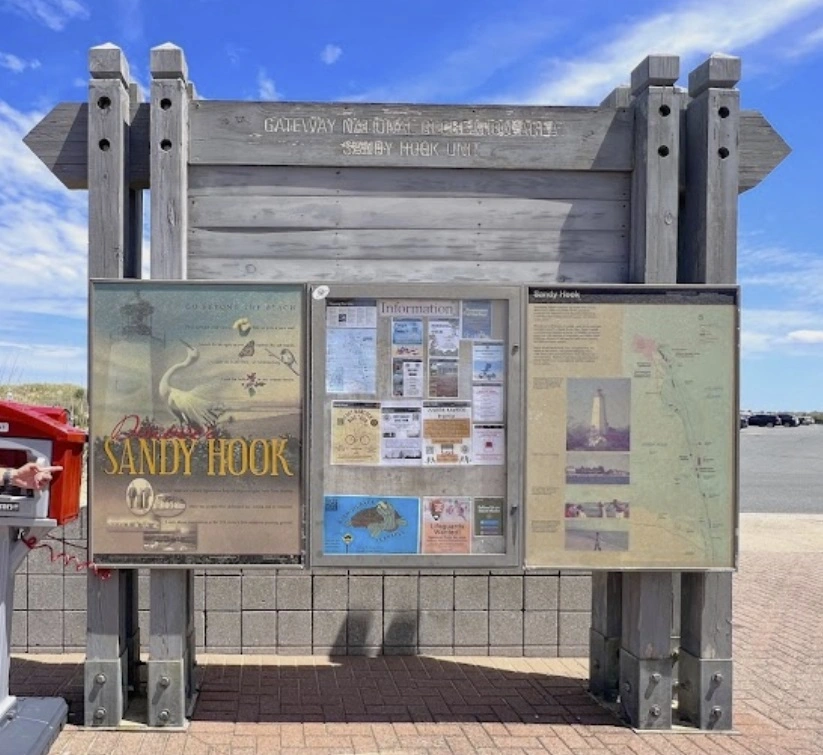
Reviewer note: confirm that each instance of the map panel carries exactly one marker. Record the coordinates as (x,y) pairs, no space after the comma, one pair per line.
(631,429)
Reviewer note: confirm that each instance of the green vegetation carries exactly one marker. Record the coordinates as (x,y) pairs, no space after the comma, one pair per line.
(71,397)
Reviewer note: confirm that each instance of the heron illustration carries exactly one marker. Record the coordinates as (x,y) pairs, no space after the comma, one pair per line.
(189,407)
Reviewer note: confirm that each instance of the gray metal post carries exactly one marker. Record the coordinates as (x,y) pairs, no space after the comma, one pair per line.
(709,255)
(645,665)
(28,726)
(111,618)
(171,644)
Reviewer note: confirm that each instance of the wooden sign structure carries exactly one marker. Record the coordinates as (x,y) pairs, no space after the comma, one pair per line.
(642,189)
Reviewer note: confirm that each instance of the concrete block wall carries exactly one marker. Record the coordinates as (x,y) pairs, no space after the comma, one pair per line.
(353,612)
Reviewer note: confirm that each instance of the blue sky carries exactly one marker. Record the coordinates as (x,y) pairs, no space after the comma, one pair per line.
(526,52)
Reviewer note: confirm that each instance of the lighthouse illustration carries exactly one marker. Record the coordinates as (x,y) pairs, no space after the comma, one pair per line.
(599,423)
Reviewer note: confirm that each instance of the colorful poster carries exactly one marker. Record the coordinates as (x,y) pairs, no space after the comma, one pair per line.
(197,405)
(407,378)
(351,360)
(355,435)
(402,440)
(488,363)
(489,520)
(489,445)
(446,525)
(444,338)
(361,524)
(444,378)
(447,433)
(351,315)
(477,319)
(407,338)
(487,404)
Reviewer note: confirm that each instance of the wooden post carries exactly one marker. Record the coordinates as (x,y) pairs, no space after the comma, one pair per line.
(709,255)
(111,603)
(134,256)
(604,634)
(645,665)
(171,620)
(607,587)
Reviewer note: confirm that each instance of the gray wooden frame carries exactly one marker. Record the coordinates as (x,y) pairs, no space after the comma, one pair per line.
(514,435)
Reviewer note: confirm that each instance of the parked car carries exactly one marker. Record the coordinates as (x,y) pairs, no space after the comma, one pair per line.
(806,420)
(744,421)
(764,420)
(788,420)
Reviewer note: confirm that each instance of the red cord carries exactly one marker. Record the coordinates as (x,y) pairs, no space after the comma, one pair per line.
(33,544)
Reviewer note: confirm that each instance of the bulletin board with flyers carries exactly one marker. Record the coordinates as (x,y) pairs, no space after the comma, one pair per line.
(414,392)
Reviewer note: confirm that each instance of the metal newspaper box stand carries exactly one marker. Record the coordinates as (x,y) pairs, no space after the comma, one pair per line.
(38,434)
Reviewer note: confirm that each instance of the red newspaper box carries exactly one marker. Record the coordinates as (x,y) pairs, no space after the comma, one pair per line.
(41,434)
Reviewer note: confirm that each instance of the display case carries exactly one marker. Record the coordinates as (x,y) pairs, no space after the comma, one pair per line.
(415,432)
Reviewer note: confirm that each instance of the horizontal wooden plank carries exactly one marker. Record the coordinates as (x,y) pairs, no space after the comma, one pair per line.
(403,245)
(762,149)
(267,213)
(336,134)
(419,271)
(299,181)
(60,141)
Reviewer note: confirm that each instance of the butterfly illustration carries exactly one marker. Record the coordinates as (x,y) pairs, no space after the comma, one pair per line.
(247,350)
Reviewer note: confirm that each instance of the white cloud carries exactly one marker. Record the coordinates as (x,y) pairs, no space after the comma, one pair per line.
(331,54)
(235,53)
(53,13)
(769,331)
(691,30)
(129,20)
(43,245)
(806,336)
(807,44)
(781,274)
(15,64)
(265,86)
(487,50)
(777,269)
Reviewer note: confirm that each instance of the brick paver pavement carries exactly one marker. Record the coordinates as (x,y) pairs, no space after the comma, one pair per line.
(256,706)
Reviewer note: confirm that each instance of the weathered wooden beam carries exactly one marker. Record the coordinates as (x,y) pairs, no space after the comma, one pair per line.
(718,71)
(645,654)
(620,96)
(709,243)
(655,179)
(59,140)
(110,604)
(277,133)
(761,149)
(171,640)
(714,129)
(655,71)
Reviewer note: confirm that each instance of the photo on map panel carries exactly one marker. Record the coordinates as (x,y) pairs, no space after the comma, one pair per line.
(597,535)
(598,411)
(597,469)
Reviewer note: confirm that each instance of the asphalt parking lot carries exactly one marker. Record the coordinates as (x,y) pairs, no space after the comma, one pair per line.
(781,470)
